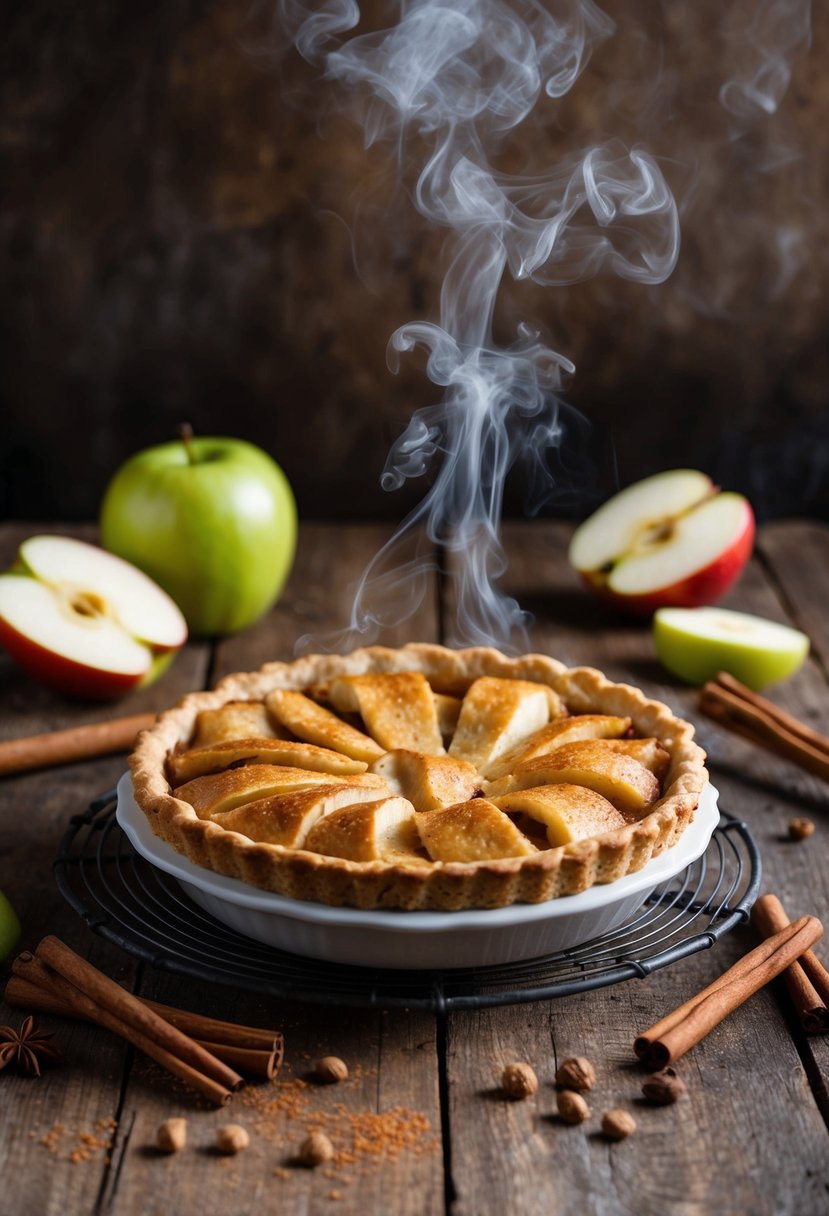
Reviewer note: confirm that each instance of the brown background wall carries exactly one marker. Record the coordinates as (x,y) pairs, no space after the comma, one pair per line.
(176,241)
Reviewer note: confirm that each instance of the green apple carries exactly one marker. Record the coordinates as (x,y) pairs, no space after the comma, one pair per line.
(696,643)
(213,521)
(9,928)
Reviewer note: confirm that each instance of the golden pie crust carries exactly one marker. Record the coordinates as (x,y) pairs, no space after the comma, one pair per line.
(531,874)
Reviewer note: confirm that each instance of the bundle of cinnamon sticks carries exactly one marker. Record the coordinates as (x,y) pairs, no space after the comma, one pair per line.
(748,714)
(203,1052)
(785,950)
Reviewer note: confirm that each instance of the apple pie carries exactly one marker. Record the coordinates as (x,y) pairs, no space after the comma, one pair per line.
(420,778)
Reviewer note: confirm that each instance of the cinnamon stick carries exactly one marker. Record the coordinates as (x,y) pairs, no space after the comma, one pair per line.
(33,969)
(262,1061)
(686,1026)
(807,980)
(754,718)
(787,720)
(77,743)
(112,997)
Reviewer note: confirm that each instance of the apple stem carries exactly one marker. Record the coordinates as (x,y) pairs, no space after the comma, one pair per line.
(185,434)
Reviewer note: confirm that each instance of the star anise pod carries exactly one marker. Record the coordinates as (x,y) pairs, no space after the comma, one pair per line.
(26,1048)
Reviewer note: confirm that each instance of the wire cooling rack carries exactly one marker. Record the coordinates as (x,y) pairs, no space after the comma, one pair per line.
(124,898)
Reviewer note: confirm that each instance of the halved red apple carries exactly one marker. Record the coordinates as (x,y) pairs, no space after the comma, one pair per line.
(84,621)
(671,540)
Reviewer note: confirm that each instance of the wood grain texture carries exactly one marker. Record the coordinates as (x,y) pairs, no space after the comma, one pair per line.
(752,1083)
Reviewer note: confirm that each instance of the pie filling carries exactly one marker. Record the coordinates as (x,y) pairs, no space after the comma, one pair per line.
(420,778)
(374,768)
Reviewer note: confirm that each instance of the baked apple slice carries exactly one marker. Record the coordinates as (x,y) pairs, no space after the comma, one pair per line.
(619,778)
(448,710)
(430,782)
(376,831)
(496,715)
(649,752)
(564,813)
(558,734)
(398,709)
(236,720)
(471,831)
(316,724)
(287,819)
(218,792)
(214,757)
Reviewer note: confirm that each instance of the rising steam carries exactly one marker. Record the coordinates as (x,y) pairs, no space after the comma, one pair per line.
(447,83)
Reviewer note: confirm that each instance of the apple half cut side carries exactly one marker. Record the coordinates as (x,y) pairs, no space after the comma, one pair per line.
(85,622)
(669,541)
(697,643)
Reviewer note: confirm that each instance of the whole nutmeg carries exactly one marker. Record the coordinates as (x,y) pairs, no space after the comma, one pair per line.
(171,1135)
(231,1139)
(315,1149)
(618,1124)
(576,1073)
(663,1088)
(330,1070)
(572,1107)
(519,1081)
(799,829)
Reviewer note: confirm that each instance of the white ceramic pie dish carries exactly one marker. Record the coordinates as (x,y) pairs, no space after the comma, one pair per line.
(417,940)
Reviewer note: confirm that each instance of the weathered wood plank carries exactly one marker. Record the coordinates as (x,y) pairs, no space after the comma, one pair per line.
(749,1136)
(35,808)
(393,1056)
(797,555)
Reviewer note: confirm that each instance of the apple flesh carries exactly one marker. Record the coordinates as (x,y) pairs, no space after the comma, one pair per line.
(697,643)
(671,540)
(212,521)
(85,622)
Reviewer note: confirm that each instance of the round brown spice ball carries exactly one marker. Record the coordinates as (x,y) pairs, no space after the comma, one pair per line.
(519,1081)
(315,1149)
(171,1136)
(231,1139)
(577,1074)
(663,1088)
(331,1070)
(572,1107)
(618,1124)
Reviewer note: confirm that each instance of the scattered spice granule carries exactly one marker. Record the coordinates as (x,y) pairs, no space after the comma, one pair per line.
(281,1172)
(88,1146)
(52,1139)
(335,1195)
(360,1138)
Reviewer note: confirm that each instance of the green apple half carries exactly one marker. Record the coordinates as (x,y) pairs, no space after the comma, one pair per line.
(9,928)
(697,643)
(86,622)
(212,521)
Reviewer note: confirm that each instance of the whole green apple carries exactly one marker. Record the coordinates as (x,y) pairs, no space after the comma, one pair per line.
(212,520)
(9,927)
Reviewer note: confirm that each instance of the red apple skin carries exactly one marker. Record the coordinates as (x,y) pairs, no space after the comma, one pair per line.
(62,674)
(698,590)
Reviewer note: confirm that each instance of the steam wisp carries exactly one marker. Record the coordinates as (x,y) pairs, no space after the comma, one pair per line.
(447,83)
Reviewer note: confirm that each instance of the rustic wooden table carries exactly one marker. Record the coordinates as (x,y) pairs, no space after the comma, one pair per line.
(749,1138)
